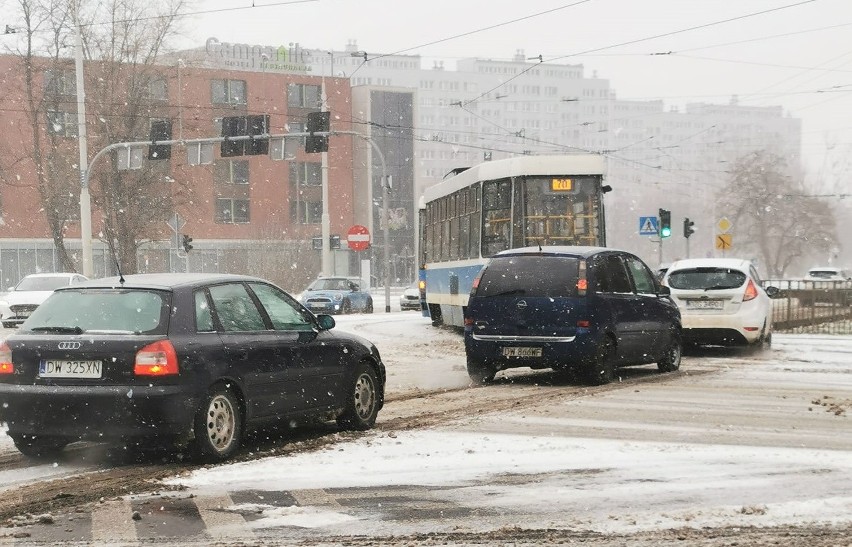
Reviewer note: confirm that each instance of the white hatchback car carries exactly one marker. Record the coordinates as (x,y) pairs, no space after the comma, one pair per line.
(721,301)
(17,305)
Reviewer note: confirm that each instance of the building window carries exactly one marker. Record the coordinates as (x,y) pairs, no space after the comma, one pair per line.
(62,123)
(228,91)
(60,82)
(199,153)
(304,96)
(306,174)
(158,89)
(306,212)
(232,211)
(231,172)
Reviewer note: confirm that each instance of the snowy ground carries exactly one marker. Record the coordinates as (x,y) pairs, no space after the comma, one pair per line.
(762,441)
(600,462)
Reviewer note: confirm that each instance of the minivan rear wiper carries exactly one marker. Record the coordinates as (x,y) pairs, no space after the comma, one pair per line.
(62,330)
(509,292)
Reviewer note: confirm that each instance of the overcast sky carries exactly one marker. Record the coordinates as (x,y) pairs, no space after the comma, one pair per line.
(808,71)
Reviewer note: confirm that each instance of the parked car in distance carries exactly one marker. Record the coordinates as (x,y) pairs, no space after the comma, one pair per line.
(826,285)
(30,292)
(721,301)
(410,297)
(590,309)
(827,273)
(334,295)
(191,360)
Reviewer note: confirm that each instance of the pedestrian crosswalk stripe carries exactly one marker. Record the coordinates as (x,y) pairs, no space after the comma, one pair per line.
(219,521)
(112,521)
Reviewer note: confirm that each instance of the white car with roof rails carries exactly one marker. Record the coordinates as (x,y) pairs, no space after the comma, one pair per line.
(721,301)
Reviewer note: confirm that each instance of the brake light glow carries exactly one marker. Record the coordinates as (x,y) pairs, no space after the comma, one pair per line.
(584,323)
(582,285)
(750,292)
(6,365)
(157,359)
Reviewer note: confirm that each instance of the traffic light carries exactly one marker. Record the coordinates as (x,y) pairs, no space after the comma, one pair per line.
(161,130)
(240,126)
(665,223)
(688,229)
(187,243)
(317,122)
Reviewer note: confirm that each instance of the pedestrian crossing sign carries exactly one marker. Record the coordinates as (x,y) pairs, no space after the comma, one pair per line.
(648,226)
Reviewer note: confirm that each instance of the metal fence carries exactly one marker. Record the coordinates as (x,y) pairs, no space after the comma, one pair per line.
(818,307)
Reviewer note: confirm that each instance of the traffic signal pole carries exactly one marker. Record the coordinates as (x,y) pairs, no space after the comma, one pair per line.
(85,174)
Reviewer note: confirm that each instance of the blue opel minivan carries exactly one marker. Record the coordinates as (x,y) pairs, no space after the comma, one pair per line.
(589,309)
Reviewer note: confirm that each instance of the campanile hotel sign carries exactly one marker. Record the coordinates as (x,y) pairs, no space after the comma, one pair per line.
(290,58)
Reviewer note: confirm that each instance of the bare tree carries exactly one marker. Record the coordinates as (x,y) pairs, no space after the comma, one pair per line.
(49,155)
(125,89)
(776,218)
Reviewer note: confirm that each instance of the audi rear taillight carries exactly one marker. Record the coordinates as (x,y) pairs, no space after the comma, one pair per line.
(6,365)
(750,292)
(157,359)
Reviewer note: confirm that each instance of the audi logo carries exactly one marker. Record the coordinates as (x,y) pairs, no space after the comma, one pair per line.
(522,304)
(69,345)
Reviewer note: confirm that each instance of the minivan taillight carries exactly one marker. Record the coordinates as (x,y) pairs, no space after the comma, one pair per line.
(476,282)
(582,282)
(6,365)
(750,292)
(157,359)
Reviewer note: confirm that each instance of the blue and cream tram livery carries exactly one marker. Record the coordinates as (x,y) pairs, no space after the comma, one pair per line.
(496,205)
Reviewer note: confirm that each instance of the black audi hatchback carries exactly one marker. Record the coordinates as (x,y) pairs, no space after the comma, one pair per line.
(189,360)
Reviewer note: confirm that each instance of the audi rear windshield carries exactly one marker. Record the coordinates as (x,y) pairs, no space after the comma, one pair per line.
(107,311)
(530,275)
(706,279)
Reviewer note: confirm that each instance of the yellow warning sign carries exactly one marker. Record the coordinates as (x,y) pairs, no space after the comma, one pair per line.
(723,241)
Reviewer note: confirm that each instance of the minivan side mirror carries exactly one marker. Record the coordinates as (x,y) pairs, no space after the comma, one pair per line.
(664,290)
(772,292)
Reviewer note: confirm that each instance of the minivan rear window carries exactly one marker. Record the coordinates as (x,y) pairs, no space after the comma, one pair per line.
(108,311)
(706,279)
(530,275)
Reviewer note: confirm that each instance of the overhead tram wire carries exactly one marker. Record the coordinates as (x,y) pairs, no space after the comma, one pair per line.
(638,40)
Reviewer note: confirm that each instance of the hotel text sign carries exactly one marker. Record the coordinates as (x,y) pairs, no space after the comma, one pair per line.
(289,58)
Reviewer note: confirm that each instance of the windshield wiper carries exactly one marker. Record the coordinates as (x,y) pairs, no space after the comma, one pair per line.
(509,292)
(718,288)
(62,330)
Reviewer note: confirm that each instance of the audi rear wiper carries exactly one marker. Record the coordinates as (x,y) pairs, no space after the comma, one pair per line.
(62,330)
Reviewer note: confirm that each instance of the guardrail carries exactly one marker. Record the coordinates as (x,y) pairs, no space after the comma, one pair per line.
(823,307)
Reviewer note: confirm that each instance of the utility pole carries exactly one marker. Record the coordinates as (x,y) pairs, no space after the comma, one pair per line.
(85,199)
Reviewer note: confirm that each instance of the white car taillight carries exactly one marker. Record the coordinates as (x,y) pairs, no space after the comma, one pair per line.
(750,292)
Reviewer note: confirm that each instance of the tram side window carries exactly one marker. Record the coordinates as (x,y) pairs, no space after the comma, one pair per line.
(496,216)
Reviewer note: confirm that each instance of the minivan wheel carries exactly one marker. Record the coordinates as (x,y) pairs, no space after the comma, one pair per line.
(670,360)
(369,308)
(39,446)
(362,400)
(218,426)
(480,372)
(602,369)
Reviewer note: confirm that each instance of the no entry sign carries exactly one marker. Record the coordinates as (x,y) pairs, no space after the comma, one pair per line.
(358,238)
